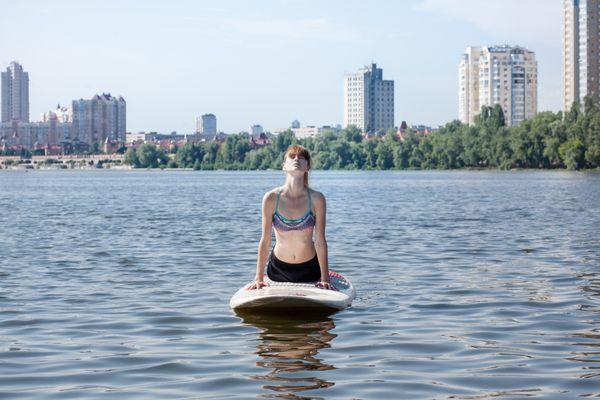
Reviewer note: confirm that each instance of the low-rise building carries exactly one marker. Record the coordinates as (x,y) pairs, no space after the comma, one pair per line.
(28,133)
(260,141)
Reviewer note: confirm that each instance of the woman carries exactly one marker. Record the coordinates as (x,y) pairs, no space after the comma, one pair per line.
(296,212)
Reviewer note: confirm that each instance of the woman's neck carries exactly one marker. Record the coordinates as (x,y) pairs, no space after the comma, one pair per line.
(294,186)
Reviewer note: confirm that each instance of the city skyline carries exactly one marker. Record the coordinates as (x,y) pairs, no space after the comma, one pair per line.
(267,64)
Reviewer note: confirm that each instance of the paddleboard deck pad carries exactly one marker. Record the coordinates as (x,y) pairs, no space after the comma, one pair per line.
(296,295)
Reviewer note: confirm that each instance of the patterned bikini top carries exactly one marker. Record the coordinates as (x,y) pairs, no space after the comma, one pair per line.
(282,223)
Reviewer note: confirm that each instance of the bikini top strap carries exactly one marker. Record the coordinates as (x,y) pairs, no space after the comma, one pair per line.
(309,200)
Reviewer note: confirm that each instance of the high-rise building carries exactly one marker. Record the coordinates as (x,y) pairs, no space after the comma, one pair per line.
(15,94)
(100,118)
(368,100)
(207,124)
(468,77)
(581,51)
(504,75)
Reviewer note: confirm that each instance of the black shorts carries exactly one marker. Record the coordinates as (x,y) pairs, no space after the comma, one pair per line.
(280,271)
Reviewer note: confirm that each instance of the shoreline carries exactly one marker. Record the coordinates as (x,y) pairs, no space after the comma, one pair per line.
(131,169)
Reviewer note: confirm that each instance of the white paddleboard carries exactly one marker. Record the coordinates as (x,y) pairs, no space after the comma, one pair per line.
(296,295)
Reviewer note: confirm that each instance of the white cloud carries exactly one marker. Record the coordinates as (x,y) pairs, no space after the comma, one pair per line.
(301,29)
(508,21)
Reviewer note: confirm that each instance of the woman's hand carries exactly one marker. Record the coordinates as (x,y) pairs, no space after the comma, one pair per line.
(325,285)
(257,284)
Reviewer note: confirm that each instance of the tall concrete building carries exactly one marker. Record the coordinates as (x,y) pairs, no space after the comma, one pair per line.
(468,77)
(15,94)
(581,51)
(207,124)
(368,100)
(98,119)
(505,75)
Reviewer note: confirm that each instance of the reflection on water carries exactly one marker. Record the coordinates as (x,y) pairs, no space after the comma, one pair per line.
(288,347)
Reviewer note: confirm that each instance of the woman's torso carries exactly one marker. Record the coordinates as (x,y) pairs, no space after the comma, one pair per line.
(293,222)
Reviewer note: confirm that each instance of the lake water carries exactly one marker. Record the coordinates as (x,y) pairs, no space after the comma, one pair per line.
(471,285)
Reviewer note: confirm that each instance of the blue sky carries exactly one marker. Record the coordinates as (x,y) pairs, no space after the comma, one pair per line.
(267,62)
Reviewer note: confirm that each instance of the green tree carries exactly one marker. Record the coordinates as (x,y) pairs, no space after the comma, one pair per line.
(402,154)
(131,158)
(471,154)
(573,154)
(324,160)
(385,155)
(352,134)
(551,153)
(282,141)
(341,152)
(189,154)
(211,154)
(241,148)
(415,159)
(357,155)
(369,147)
(592,153)
(490,118)
(573,114)
(150,157)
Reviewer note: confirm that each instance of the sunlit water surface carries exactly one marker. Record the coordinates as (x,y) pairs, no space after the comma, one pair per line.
(471,285)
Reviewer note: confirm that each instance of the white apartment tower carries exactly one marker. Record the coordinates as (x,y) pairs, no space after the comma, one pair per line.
(505,75)
(468,94)
(369,100)
(581,51)
(15,94)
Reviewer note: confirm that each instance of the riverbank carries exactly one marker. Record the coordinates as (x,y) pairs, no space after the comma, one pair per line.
(63,167)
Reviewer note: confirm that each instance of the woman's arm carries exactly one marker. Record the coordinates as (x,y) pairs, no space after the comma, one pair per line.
(320,242)
(265,241)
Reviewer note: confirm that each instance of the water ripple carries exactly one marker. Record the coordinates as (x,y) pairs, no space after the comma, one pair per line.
(471,285)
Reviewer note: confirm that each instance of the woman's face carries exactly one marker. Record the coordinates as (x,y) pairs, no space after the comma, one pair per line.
(295,163)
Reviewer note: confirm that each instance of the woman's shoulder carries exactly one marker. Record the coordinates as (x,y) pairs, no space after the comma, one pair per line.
(315,195)
(271,195)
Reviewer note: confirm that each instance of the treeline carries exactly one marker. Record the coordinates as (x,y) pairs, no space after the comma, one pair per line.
(549,140)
